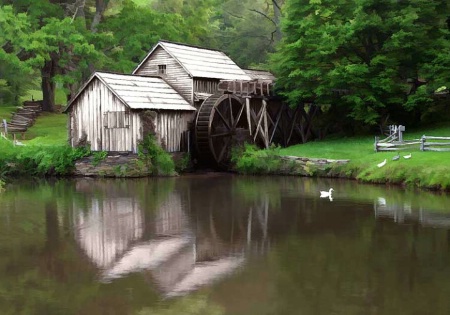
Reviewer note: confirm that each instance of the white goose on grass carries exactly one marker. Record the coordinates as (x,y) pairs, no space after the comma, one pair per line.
(396,157)
(408,156)
(382,163)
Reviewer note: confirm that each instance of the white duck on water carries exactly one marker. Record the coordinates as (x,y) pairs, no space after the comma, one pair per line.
(325,194)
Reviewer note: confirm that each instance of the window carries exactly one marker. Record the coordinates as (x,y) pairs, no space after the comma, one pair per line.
(116,119)
(162,69)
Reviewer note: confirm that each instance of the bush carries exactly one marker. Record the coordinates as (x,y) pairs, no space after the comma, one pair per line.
(252,160)
(98,156)
(158,161)
(38,160)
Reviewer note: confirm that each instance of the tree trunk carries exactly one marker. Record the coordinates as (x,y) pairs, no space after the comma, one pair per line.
(276,19)
(100,8)
(48,73)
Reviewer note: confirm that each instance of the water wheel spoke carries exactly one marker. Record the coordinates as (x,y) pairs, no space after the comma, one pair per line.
(224,149)
(231,110)
(223,134)
(241,110)
(223,118)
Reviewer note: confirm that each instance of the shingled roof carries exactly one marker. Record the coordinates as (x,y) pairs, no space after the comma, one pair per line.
(201,62)
(139,92)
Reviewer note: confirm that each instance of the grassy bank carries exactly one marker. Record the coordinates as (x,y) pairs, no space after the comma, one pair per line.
(424,169)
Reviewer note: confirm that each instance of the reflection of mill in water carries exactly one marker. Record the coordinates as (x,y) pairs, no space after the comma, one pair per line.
(118,237)
(402,212)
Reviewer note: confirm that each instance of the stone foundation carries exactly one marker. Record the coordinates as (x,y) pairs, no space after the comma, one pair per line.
(112,166)
(294,165)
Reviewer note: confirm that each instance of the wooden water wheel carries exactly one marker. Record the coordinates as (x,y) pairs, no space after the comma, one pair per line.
(221,123)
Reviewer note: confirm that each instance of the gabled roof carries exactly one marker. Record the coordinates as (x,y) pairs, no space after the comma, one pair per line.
(139,92)
(201,62)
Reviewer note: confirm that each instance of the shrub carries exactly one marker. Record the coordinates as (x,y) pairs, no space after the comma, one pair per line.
(98,156)
(252,160)
(38,160)
(158,161)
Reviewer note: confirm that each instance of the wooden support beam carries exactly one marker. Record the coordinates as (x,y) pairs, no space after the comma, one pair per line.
(266,128)
(249,120)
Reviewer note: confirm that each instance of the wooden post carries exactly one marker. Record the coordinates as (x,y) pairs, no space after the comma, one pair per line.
(376,144)
(422,143)
(249,119)
(5,125)
(266,128)
(400,132)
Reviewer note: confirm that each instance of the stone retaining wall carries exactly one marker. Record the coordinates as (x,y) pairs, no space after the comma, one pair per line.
(112,166)
(302,166)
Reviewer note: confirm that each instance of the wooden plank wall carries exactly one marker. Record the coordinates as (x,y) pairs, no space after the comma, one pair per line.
(87,117)
(169,127)
(206,85)
(176,75)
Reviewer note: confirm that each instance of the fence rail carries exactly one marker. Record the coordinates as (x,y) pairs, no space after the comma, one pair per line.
(428,143)
(394,141)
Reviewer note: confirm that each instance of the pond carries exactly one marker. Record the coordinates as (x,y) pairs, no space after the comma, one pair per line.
(222,244)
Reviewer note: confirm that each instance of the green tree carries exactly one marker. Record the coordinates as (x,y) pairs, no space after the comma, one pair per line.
(55,45)
(249,30)
(14,36)
(365,57)
(126,37)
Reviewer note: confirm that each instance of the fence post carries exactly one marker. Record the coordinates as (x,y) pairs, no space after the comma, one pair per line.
(375,145)
(5,125)
(422,143)
(400,132)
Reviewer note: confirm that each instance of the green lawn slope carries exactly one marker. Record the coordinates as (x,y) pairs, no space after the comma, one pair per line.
(425,169)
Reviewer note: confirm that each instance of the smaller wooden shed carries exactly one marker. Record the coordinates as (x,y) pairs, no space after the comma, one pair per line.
(114,112)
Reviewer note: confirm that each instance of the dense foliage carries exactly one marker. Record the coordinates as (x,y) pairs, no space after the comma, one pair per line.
(61,43)
(251,160)
(157,159)
(38,160)
(368,59)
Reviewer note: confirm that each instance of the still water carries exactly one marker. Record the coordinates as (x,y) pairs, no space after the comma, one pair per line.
(222,244)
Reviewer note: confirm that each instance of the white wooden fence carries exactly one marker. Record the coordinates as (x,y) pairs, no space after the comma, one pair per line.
(394,142)
(430,143)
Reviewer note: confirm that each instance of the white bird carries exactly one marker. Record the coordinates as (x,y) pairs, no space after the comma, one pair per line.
(382,163)
(18,143)
(396,157)
(407,156)
(325,194)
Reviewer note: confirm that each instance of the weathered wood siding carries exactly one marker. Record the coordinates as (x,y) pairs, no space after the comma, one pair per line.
(206,85)
(87,120)
(175,73)
(170,125)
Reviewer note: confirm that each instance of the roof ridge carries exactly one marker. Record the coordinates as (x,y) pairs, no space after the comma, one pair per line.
(189,45)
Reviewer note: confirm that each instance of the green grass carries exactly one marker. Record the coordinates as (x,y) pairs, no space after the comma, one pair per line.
(6,112)
(60,96)
(49,129)
(424,169)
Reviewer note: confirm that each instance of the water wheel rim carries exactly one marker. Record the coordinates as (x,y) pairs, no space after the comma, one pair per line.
(226,111)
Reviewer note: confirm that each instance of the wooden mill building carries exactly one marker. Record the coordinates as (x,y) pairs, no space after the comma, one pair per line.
(113,112)
(195,72)
(182,94)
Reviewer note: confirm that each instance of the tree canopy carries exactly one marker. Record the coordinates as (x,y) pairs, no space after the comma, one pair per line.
(371,58)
